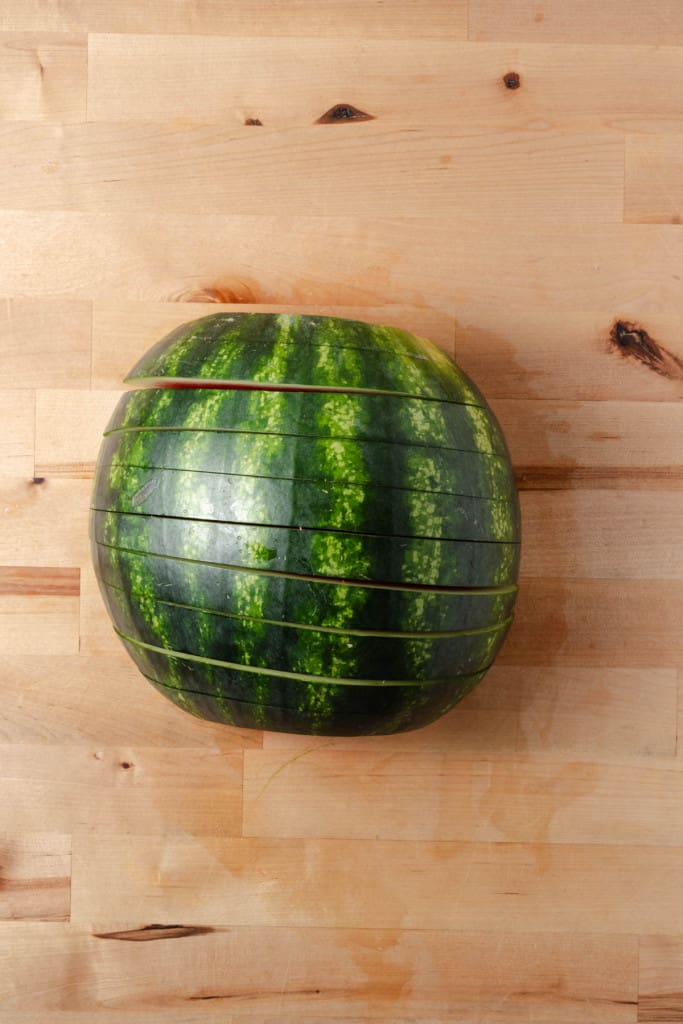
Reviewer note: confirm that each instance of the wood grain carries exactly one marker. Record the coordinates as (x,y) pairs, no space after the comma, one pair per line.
(634,21)
(583,714)
(370,973)
(102,168)
(623,534)
(343,260)
(631,623)
(593,444)
(45,343)
(317,795)
(45,522)
(83,699)
(572,355)
(43,76)
(69,427)
(17,445)
(125,790)
(26,579)
(503,178)
(356,19)
(38,624)
(341,883)
(653,191)
(660,973)
(293,81)
(35,876)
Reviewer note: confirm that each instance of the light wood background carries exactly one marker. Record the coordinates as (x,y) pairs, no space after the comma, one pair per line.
(522,859)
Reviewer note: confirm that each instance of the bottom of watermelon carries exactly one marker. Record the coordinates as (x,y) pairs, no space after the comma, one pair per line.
(387,712)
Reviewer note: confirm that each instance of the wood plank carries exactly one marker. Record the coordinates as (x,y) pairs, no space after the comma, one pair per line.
(107,167)
(629,22)
(38,624)
(27,579)
(572,355)
(653,189)
(31,510)
(97,635)
(35,876)
(593,444)
(278,81)
(660,979)
(45,343)
(491,887)
(337,260)
(123,331)
(342,260)
(608,534)
(43,76)
(69,426)
(434,796)
(629,623)
(285,82)
(355,19)
(82,699)
(18,435)
(368,974)
(584,714)
(124,790)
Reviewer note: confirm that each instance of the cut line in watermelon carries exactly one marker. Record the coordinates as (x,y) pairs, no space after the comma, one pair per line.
(304,529)
(382,712)
(348,581)
(449,563)
(178,383)
(436,683)
(336,630)
(254,562)
(356,417)
(281,673)
(311,504)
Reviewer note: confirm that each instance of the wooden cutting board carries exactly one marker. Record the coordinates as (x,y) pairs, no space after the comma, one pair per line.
(505,177)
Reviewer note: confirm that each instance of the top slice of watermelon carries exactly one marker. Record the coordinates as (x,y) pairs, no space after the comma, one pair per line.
(289,351)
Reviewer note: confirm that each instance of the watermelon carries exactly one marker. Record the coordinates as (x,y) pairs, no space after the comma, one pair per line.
(310,503)
(324,710)
(306,524)
(304,413)
(328,651)
(303,600)
(303,352)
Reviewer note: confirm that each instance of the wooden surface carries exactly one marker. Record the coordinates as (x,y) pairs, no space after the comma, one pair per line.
(522,859)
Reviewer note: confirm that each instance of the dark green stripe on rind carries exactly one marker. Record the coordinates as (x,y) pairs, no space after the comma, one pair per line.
(304,601)
(266,501)
(394,714)
(314,414)
(282,349)
(355,556)
(310,651)
(414,467)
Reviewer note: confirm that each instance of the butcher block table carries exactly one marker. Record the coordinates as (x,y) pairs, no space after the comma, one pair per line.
(506,178)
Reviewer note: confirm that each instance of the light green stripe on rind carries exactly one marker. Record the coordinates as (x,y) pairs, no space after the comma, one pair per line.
(347,631)
(311,414)
(342,460)
(343,556)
